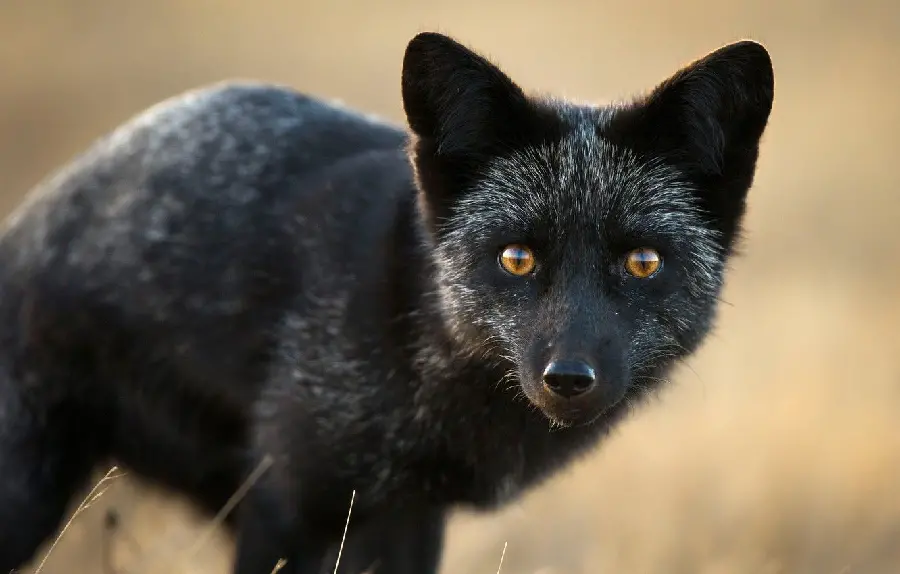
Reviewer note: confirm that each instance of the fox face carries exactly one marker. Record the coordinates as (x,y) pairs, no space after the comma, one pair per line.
(582,248)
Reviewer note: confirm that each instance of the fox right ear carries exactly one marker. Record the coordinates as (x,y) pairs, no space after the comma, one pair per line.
(716,109)
(457,103)
(708,119)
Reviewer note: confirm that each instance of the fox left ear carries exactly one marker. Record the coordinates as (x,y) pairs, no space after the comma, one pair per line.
(463,110)
(457,102)
(708,119)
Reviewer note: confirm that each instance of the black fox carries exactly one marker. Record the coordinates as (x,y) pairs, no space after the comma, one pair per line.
(432,317)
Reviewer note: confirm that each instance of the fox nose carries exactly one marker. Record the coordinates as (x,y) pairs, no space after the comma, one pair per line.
(569,379)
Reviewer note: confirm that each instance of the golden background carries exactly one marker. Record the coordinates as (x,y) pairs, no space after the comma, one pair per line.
(778,448)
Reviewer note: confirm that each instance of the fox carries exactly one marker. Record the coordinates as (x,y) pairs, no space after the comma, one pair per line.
(420,317)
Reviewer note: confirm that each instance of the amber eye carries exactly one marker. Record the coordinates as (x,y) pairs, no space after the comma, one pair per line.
(643,262)
(517,259)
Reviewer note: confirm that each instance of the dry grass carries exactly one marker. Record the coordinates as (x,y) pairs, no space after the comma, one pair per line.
(113,473)
(778,449)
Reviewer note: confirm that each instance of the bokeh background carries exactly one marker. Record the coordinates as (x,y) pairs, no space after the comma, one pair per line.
(777,450)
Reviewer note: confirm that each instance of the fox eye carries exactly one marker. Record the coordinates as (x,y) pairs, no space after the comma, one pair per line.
(517,260)
(643,262)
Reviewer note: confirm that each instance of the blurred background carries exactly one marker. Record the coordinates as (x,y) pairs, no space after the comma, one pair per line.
(777,450)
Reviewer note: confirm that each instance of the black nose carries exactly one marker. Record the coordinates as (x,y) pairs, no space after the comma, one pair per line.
(569,379)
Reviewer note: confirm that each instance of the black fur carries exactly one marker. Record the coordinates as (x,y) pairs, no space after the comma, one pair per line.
(244,275)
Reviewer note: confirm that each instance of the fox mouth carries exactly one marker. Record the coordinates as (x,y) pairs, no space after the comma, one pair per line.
(574,416)
(585,410)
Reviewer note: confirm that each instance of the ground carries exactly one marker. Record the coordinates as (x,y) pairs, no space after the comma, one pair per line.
(777,448)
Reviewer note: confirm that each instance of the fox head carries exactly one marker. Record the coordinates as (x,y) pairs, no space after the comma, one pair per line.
(583,247)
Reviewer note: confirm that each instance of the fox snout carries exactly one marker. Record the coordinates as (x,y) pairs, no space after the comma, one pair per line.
(573,389)
(578,376)
(569,379)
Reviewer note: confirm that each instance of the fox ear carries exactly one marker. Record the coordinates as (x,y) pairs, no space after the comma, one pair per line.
(457,103)
(713,112)
(463,110)
(708,119)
